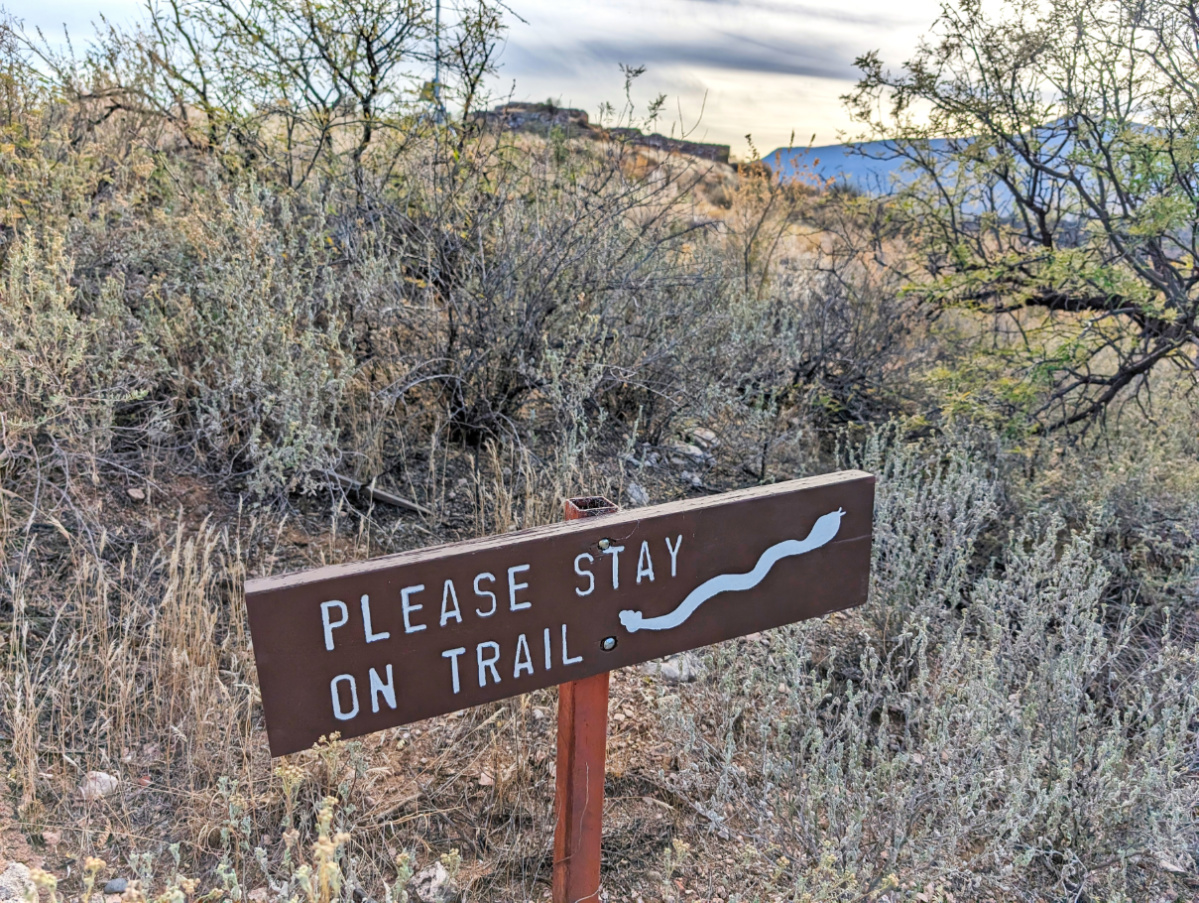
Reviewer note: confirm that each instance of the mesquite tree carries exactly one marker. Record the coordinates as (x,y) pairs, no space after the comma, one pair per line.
(300,83)
(1052,181)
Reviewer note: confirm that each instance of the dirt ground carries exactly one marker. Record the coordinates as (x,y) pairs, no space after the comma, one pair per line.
(13,846)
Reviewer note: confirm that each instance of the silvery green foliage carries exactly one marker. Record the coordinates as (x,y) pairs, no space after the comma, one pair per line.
(930,511)
(274,370)
(990,727)
(233,353)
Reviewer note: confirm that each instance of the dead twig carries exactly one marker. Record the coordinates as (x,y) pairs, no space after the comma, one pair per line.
(380,495)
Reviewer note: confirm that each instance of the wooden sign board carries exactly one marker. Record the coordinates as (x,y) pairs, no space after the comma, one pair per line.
(361,647)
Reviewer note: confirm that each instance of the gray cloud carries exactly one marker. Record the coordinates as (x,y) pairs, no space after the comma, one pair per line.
(719,50)
(807,13)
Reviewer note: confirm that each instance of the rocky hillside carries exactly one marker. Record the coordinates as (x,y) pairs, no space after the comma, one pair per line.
(543,118)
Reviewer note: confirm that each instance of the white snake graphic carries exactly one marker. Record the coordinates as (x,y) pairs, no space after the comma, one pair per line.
(822,532)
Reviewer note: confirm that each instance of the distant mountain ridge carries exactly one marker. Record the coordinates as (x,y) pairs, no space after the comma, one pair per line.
(877,167)
(873,167)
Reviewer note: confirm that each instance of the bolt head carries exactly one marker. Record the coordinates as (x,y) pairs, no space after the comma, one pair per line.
(604,544)
(608,644)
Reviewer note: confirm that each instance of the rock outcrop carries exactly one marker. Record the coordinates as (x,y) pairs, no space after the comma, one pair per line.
(542,118)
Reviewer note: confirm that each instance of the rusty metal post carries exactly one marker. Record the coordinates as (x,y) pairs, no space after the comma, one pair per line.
(582,749)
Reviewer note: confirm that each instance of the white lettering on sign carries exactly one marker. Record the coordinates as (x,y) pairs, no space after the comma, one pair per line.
(406,595)
(452,655)
(513,587)
(586,572)
(615,551)
(335,613)
(449,594)
(674,554)
(483,592)
(490,656)
(379,688)
(566,659)
(822,533)
(524,658)
(327,607)
(338,712)
(371,636)
(488,664)
(645,564)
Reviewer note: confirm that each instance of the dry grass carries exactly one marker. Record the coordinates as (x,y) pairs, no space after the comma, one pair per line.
(189,349)
(967,749)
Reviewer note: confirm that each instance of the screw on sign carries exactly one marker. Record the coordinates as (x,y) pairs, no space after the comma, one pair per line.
(362,647)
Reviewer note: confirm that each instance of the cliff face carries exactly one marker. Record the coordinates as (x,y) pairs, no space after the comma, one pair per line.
(542,117)
(538,117)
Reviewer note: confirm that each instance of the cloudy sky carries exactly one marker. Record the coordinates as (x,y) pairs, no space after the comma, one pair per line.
(761,67)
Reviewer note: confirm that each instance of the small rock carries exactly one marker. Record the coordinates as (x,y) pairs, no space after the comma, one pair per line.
(485,779)
(680,451)
(705,438)
(116,886)
(434,885)
(539,714)
(138,495)
(637,494)
(678,669)
(1170,866)
(97,785)
(14,882)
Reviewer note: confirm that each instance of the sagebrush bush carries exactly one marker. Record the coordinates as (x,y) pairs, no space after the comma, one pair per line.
(989,727)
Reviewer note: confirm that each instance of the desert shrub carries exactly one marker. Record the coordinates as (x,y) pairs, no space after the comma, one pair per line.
(278,342)
(427,281)
(569,276)
(127,338)
(1049,185)
(821,333)
(989,728)
(315,874)
(932,513)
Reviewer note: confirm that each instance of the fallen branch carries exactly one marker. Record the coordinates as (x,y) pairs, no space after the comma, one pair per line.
(380,495)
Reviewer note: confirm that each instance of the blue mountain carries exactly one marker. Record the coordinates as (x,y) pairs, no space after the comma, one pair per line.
(872,167)
(876,167)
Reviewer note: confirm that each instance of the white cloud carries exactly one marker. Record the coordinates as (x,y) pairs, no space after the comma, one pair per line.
(767,67)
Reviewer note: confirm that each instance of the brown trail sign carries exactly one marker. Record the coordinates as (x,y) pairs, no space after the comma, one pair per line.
(361,647)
